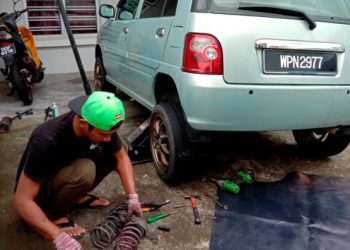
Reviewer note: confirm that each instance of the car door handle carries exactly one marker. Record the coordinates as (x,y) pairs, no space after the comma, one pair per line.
(160,32)
(126,30)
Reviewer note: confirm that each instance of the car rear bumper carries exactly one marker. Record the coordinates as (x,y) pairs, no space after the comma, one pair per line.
(211,104)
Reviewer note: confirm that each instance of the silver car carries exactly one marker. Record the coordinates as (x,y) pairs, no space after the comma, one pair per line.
(230,65)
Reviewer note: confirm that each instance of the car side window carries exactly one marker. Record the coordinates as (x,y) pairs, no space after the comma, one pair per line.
(170,8)
(127,9)
(158,8)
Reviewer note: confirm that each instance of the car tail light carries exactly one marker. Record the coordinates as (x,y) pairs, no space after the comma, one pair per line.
(5,35)
(202,54)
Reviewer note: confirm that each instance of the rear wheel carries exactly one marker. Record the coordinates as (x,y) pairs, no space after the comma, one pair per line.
(24,90)
(41,74)
(169,143)
(100,81)
(320,142)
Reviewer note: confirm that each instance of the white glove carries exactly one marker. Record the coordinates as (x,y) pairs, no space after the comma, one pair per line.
(64,242)
(134,205)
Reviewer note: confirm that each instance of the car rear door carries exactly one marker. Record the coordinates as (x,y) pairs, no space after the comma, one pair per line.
(147,40)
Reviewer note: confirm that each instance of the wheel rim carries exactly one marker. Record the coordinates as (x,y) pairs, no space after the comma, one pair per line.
(98,76)
(160,145)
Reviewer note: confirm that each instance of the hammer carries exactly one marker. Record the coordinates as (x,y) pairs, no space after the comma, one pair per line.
(193,198)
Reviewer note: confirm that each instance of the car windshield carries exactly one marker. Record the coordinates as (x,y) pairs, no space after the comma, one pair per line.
(320,10)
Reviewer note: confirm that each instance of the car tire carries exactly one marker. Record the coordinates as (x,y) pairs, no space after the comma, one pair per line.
(24,91)
(169,144)
(100,81)
(320,142)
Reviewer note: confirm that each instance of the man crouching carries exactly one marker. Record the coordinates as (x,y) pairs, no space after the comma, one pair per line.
(67,157)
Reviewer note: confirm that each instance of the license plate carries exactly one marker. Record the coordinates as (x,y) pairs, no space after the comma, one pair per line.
(299,63)
(7,50)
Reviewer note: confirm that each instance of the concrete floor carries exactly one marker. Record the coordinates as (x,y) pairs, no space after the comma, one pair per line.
(272,155)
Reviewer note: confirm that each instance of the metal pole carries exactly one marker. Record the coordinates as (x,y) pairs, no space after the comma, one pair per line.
(86,84)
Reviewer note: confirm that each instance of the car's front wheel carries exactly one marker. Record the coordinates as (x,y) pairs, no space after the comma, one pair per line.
(100,80)
(169,143)
(320,142)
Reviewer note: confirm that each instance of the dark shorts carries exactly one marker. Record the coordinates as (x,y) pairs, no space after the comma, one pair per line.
(60,194)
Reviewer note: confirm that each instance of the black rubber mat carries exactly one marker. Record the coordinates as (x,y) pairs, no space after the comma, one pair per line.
(296,213)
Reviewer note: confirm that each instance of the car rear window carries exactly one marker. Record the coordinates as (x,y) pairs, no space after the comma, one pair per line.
(320,10)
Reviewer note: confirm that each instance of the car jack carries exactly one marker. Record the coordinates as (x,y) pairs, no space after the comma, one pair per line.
(139,145)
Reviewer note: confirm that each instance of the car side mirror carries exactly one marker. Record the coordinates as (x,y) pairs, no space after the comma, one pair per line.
(106,11)
(125,15)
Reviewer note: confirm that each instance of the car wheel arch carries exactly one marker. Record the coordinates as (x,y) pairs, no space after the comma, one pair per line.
(165,89)
(100,80)
(98,51)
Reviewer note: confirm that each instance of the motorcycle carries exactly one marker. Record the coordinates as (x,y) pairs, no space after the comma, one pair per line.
(23,66)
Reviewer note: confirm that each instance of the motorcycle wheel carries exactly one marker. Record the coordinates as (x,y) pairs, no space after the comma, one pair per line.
(41,76)
(24,91)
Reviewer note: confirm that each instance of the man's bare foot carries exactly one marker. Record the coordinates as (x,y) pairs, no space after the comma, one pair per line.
(69,227)
(92,201)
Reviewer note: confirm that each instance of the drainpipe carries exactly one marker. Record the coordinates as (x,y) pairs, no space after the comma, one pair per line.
(63,13)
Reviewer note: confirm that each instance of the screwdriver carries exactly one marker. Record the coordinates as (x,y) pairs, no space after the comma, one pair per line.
(154,204)
(157,217)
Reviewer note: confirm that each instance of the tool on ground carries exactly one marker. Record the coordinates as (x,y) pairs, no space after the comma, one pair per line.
(157,217)
(138,144)
(220,205)
(217,202)
(225,185)
(193,198)
(242,177)
(6,121)
(153,205)
(245,176)
(164,228)
(148,209)
(180,206)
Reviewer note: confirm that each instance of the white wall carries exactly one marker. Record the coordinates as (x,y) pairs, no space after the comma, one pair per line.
(56,52)
(62,60)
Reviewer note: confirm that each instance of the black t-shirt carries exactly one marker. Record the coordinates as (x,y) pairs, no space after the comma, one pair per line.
(53,145)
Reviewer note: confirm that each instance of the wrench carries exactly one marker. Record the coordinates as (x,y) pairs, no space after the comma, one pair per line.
(220,205)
